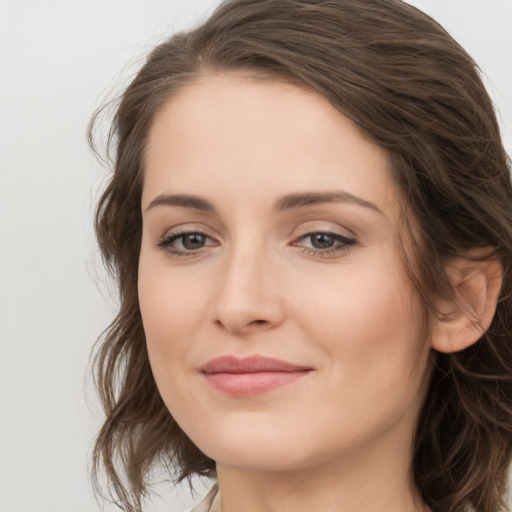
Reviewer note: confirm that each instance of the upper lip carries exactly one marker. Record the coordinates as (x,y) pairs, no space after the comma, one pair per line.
(250,364)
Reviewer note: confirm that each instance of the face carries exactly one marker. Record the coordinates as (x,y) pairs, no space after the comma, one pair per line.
(281,327)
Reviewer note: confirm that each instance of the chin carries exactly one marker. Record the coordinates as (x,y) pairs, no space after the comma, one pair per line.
(251,445)
(260,447)
(260,458)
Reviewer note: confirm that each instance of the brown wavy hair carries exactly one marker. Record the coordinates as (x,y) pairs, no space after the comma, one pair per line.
(415,92)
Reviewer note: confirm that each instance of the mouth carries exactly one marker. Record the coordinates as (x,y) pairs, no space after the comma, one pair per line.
(251,375)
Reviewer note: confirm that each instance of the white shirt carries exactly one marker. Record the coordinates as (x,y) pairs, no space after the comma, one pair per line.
(210,503)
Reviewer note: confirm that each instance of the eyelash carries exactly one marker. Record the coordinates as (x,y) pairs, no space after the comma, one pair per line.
(342,243)
(166,244)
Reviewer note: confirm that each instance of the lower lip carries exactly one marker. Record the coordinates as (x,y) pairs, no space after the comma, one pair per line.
(247,384)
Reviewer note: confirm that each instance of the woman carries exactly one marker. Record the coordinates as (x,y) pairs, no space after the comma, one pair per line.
(310,221)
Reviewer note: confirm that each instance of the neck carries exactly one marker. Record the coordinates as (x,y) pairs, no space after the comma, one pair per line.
(358,483)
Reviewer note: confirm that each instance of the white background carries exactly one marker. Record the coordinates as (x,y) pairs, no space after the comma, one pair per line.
(58,61)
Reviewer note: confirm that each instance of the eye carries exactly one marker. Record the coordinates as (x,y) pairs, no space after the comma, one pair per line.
(185,243)
(324,243)
(322,240)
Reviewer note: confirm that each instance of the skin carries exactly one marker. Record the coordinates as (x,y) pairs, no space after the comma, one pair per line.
(256,282)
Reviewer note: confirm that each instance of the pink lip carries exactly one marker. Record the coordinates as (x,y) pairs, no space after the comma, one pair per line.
(251,375)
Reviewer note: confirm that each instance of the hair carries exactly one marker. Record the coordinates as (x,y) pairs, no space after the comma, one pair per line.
(402,79)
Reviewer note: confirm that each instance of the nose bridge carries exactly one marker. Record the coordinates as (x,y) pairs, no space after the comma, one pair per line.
(248,295)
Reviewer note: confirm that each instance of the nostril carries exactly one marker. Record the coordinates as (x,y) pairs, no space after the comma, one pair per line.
(258,322)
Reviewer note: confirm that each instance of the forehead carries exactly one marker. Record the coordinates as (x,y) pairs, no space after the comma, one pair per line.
(229,132)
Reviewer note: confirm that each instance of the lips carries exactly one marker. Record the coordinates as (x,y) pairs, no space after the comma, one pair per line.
(251,375)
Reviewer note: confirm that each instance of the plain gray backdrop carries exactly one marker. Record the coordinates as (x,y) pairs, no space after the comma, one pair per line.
(59,60)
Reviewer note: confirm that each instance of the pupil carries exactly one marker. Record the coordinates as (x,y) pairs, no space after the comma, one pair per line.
(322,241)
(193,241)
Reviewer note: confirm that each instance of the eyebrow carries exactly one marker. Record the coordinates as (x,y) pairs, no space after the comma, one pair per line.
(182,201)
(311,198)
(287,202)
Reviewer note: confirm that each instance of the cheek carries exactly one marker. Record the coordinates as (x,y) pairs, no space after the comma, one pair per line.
(369,321)
(171,312)
(373,300)
(369,328)
(171,309)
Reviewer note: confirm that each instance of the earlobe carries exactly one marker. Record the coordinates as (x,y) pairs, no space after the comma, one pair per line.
(476,286)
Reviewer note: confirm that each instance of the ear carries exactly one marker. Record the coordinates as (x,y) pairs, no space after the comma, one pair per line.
(476,284)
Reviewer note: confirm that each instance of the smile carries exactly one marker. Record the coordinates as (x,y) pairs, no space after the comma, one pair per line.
(251,375)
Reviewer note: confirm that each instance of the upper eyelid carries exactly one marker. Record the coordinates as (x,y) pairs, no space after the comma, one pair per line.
(303,233)
(182,229)
(302,229)
(319,222)
(337,229)
(332,231)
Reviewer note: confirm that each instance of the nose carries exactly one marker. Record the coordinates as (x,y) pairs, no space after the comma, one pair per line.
(249,298)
